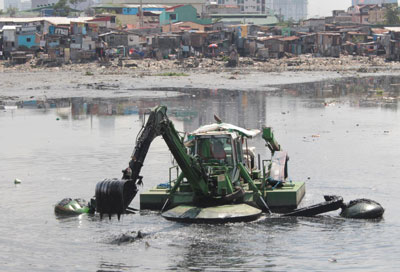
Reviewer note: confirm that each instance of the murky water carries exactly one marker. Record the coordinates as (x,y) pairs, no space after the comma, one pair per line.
(342,137)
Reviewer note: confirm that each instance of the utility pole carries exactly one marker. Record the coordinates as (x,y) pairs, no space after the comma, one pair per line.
(141,14)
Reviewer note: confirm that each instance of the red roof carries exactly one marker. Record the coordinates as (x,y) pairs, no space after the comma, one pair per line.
(379,30)
(290,38)
(173,8)
(101,19)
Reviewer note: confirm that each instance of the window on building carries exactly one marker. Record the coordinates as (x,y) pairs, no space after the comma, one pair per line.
(28,39)
(172,16)
(112,20)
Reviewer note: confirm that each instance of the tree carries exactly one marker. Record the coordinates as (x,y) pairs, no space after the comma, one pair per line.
(2,12)
(75,2)
(392,15)
(61,8)
(12,11)
(90,12)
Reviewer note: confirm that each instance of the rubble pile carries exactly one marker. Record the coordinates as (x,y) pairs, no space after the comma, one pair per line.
(203,65)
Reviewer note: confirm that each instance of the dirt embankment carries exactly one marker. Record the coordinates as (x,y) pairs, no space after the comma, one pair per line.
(131,78)
(199,65)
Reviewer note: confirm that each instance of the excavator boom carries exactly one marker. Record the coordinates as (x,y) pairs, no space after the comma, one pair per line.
(114,196)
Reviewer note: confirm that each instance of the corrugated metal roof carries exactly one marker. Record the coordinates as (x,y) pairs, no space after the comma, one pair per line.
(254,21)
(112,5)
(278,38)
(379,30)
(393,29)
(290,38)
(51,20)
(9,28)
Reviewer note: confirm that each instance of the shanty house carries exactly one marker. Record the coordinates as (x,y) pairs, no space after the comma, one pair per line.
(391,43)
(328,44)
(275,46)
(9,40)
(181,13)
(314,24)
(308,41)
(292,45)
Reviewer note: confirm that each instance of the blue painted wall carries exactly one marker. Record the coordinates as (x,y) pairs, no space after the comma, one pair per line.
(27,40)
(153,9)
(134,11)
(130,11)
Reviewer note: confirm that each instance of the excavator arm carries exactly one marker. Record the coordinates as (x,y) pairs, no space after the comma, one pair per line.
(278,168)
(114,196)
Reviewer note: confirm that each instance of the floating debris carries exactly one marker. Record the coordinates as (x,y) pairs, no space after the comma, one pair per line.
(69,206)
(129,237)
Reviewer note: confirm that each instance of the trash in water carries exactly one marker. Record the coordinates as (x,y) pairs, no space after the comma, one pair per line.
(69,206)
(129,237)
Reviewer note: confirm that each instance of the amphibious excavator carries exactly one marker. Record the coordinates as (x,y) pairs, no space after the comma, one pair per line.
(217,175)
(219,178)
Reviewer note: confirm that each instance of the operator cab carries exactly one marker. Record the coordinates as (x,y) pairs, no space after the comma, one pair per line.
(218,150)
(213,149)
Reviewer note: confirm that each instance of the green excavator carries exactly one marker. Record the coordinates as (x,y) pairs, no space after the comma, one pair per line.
(217,180)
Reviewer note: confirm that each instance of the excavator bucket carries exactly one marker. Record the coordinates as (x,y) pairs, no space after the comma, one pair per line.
(113,196)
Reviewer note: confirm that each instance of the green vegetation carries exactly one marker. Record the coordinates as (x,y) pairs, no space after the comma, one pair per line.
(11,11)
(75,2)
(287,23)
(61,8)
(392,15)
(89,73)
(172,74)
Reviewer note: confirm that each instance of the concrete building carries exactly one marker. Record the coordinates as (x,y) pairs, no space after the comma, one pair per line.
(25,5)
(246,6)
(79,6)
(199,5)
(11,4)
(372,2)
(289,9)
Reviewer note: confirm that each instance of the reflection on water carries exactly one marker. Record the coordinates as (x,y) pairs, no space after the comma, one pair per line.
(342,138)
(246,109)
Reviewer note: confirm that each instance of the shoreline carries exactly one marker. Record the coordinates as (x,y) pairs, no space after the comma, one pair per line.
(21,82)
